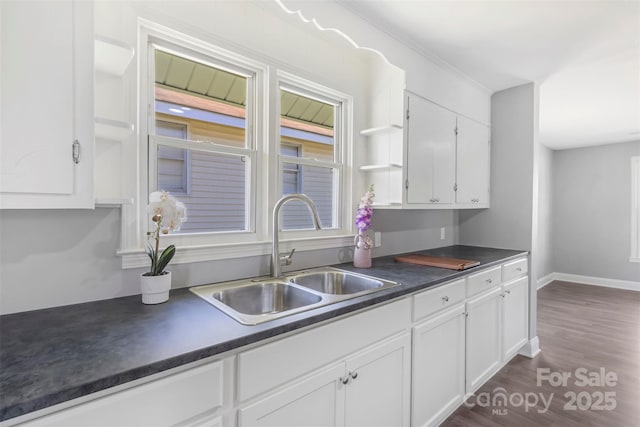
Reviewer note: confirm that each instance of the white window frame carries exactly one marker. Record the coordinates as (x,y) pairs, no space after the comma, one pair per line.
(264,185)
(342,140)
(635,210)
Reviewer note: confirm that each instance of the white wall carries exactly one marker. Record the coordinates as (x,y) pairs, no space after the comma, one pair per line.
(592,211)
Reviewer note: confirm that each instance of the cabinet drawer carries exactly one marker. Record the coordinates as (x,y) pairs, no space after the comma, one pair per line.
(433,300)
(483,280)
(514,269)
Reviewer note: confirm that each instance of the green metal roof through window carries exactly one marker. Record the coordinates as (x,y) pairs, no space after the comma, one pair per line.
(180,73)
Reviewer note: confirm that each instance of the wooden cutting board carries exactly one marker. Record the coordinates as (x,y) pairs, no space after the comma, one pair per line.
(437,261)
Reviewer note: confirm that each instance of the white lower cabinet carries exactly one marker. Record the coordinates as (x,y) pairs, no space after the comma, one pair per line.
(515,316)
(369,388)
(484,352)
(313,401)
(185,399)
(438,367)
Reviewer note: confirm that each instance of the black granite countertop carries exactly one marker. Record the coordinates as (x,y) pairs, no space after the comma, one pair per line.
(54,355)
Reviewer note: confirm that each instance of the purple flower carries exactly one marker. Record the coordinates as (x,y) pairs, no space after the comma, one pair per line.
(365,211)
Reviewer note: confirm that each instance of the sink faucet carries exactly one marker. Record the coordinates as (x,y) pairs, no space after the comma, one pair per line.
(278,260)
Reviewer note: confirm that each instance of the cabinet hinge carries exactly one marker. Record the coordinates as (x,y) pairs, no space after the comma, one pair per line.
(406,184)
(455,130)
(75,151)
(407,114)
(466,314)
(455,187)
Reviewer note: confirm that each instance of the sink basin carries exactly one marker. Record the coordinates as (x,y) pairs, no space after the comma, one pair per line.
(254,301)
(263,298)
(336,282)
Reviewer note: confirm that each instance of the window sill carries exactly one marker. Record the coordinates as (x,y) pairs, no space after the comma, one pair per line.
(187,254)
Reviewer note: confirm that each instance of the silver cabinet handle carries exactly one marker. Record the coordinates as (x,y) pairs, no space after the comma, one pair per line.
(507,291)
(445,299)
(353,375)
(345,380)
(518,269)
(489,281)
(503,295)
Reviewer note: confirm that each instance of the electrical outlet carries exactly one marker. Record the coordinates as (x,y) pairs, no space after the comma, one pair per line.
(442,233)
(377,239)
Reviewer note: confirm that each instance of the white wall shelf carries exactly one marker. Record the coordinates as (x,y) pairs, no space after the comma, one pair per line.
(380,130)
(113,130)
(388,166)
(110,202)
(112,56)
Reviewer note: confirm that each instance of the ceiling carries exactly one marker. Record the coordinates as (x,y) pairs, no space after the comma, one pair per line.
(584,54)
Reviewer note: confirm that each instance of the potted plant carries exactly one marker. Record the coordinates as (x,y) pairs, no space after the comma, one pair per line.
(167,214)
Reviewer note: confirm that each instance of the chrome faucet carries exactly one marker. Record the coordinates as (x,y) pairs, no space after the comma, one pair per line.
(278,260)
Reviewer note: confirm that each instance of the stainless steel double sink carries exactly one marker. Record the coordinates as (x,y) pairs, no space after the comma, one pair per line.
(254,301)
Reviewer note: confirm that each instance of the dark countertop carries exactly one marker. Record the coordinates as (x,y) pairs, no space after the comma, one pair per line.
(54,355)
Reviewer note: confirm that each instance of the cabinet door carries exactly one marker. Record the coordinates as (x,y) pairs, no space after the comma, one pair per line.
(379,387)
(438,367)
(46,103)
(473,162)
(430,152)
(483,338)
(515,316)
(314,401)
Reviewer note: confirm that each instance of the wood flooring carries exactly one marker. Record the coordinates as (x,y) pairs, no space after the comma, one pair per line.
(580,327)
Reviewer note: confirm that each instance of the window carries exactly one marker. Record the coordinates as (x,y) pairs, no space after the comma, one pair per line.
(635,209)
(209,167)
(308,119)
(214,133)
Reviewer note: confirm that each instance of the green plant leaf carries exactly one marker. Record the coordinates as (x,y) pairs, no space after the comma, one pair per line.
(154,259)
(164,259)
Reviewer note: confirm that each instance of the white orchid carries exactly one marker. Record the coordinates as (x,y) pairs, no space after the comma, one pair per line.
(168,214)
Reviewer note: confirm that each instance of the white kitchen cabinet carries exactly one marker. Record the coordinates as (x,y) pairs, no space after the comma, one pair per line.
(431,142)
(472,163)
(379,383)
(515,316)
(46,105)
(447,158)
(188,398)
(484,351)
(313,401)
(438,375)
(370,388)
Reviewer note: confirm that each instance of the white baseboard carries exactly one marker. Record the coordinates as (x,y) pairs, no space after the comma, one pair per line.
(589,280)
(531,349)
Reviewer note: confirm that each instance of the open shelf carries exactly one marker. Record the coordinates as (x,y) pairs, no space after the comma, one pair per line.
(112,56)
(109,202)
(380,130)
(387,166)
(113,130)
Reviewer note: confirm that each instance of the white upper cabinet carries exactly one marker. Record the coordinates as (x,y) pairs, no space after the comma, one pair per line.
(447,158)
(46,104)
(431,142)
(473,163)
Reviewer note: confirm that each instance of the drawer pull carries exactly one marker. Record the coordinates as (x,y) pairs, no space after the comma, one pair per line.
(489,281)
(507,291)
(445,299)
(345,380)
(519,269)
(353,375)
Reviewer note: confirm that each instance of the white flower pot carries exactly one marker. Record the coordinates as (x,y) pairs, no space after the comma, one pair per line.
(155,289)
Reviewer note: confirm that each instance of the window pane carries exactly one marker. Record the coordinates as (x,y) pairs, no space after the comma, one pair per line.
(209,100)
(308,123)
(318,184)
(216,200)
